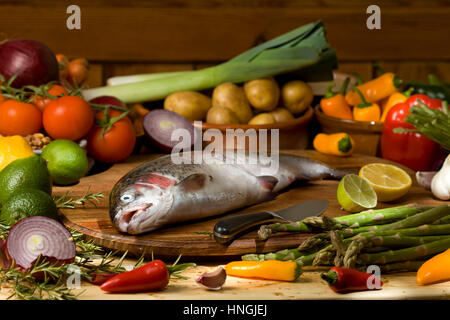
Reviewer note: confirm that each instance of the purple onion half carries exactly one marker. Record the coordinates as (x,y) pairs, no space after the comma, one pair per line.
(37,235)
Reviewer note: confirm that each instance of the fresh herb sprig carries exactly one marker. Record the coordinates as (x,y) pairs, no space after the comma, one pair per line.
(64,202)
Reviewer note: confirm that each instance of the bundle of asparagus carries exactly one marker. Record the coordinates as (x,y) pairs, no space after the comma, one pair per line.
(397,239)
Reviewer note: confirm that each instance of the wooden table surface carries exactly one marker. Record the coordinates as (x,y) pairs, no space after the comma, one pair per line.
(308,286)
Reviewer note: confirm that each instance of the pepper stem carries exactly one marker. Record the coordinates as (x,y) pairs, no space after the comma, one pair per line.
(397,81)
(329,93)
(408,92)
(330,277)
(363,103)
(379,69)
(344,85)
(358,77)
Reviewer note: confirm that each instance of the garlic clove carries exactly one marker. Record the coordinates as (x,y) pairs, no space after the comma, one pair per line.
(213,280)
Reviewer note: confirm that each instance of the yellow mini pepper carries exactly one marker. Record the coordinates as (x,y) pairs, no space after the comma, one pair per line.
(269,269)
(436,269)
(336,144)
(13,148)
(374,90)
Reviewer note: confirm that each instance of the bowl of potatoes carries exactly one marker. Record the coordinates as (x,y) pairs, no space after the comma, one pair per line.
(259,111)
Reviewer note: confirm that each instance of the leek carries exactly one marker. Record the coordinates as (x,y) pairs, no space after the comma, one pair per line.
(298,49)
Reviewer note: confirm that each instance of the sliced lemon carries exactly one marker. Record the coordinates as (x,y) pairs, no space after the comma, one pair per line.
(389,181)
(355,194)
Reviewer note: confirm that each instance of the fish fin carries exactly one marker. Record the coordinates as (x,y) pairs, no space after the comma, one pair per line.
(268,183)
(193,182)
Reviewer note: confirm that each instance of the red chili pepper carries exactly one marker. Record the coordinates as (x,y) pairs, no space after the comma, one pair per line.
(408,148)
(152,276)
(343,280)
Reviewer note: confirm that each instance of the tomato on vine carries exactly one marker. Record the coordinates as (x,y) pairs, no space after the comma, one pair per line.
(19,118)
(68,117)
(113,138)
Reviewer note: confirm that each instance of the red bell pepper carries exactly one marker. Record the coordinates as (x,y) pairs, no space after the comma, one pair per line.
(408,148)
(342,280)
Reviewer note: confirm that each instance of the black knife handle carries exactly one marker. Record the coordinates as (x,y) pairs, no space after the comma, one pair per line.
(228,228)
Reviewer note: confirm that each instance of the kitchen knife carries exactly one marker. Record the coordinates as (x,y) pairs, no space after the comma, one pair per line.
(229,228)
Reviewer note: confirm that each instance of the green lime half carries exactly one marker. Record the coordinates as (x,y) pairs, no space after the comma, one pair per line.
(355,194)
(66,161)
(26,203)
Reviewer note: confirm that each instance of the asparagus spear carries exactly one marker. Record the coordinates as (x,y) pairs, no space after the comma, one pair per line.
(355,220)
(401,266)
(412,253)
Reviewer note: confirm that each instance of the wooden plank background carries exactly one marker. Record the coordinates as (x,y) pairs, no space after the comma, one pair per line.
(137,36)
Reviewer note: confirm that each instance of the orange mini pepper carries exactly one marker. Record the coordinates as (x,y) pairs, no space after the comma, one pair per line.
(334,105)
(375,90)
(396,97)
(337,144)
(269,269)
(366,111)
(436,269)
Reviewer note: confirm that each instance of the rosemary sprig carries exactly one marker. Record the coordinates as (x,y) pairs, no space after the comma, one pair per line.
(64,202)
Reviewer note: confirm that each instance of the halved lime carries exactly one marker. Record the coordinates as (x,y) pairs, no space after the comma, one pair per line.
(355,194)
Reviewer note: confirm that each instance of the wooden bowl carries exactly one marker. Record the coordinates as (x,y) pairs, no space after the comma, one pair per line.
(293,134)
(367,135)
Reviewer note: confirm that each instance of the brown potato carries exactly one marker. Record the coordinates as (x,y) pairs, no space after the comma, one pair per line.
(190,104)
(263,94)
(229,95)
(220,115)
(282,115)
(297,96)
(262,118)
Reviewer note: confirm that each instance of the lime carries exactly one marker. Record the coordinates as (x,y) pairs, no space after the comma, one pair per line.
(28,202)
(30,172)
(389,181)
(66,161)
(356,194)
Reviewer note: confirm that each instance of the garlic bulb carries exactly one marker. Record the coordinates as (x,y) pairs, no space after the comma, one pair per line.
(440,185)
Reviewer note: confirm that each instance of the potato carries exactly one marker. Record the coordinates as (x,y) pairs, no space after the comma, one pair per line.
(190,104)
(220,115)
(297,96)
(262,118)
(263,94)
(282,115)
(229,95)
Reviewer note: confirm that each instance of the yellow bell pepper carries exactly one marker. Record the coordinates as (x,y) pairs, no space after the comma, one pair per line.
(269,269)
(436,269)
(13,148)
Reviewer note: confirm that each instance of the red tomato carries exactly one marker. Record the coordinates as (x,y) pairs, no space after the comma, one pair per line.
(56,91)
(19,118)
(116,144)
(68,117)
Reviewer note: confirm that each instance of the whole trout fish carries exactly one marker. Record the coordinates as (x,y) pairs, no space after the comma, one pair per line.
(161,192)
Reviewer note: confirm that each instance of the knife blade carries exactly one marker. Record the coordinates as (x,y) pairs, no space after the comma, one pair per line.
(229,228)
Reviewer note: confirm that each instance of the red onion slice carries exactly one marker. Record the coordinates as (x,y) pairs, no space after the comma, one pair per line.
(38,235)
(4,260)
(160,124)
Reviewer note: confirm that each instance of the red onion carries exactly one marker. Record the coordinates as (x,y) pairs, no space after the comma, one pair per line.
(108,100)
(32,60)
(38,235)
(4,260)
(159,125)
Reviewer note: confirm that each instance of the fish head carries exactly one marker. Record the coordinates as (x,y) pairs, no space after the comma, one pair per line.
(140,207)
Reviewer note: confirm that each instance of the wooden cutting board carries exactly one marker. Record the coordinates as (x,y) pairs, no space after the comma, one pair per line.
(189,239)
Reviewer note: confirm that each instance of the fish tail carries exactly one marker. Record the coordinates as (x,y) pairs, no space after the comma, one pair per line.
(308,169)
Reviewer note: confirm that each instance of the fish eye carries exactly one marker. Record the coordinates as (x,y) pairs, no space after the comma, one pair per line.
(127,198)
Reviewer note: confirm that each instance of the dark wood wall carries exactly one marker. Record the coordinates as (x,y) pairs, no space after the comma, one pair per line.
(133,36)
